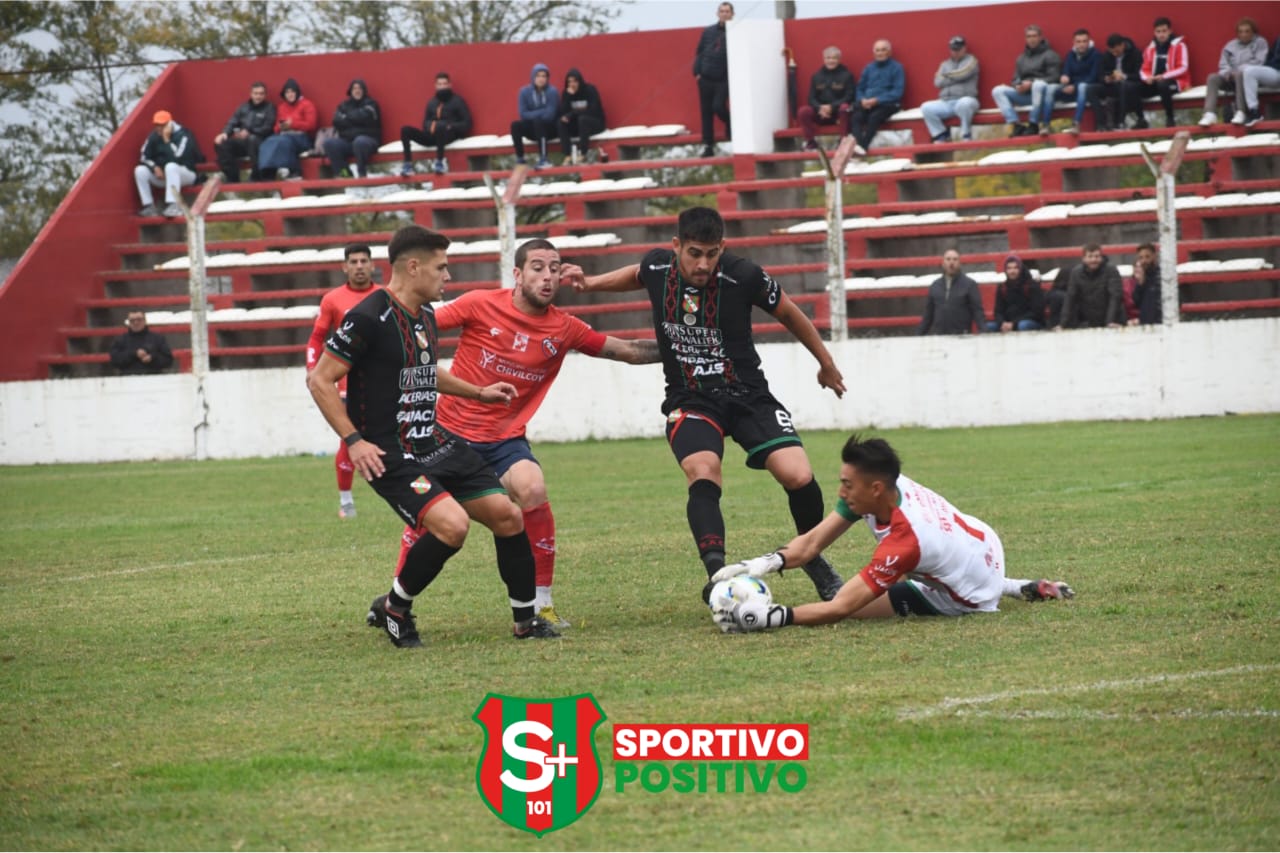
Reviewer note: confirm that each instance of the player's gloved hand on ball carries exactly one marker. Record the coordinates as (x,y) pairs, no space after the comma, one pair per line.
(756,567)
(737,616)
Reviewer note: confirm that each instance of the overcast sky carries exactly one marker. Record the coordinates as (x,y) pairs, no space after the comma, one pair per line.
(675,14)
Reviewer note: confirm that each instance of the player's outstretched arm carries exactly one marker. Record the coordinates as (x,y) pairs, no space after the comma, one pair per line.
(799,325)
(625,278)
(797,552)
(631,351)
(366,457)
(498,392)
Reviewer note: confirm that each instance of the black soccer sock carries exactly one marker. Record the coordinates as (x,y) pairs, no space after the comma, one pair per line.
(707,523)
(806,506)
(516,566)
(421,565)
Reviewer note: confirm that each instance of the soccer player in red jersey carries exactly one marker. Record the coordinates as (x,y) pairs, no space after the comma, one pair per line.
(358,265)
(519,336)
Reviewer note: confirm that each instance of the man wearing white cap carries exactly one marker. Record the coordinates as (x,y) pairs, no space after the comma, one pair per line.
(169,158)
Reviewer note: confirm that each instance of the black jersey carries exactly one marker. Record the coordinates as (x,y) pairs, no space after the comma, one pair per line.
(704,333)
(391,389)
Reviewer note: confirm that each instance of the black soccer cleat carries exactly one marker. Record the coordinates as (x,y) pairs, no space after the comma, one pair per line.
(1042,590)
(376,617)
(825,579)
(706,592)
(401,628)
(536,628)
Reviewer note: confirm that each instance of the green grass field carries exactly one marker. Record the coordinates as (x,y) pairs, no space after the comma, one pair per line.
(185,665)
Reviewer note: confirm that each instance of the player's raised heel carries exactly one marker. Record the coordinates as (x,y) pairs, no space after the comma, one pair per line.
(377,616)
(1041,590)
(825,579)
(401,628)
(535,629)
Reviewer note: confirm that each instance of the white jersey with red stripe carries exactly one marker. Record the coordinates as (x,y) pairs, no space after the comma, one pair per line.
(930,541)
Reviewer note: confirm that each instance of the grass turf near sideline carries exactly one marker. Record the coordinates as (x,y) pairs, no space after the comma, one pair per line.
(185,663)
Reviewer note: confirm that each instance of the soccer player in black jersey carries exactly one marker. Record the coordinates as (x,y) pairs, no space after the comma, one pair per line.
(702,299)
(387,347)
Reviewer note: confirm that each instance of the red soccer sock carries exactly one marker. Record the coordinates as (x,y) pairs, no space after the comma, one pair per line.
(346,471)
(407,539)
(541,527)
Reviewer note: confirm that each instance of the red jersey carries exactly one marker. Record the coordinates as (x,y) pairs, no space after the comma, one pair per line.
(335,304)
(500,343)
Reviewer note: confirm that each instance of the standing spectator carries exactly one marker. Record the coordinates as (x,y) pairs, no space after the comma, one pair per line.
(251,123)
(1081,71)
(1166,69)
(711,72)
(445,119)
(296,122)
(1121,65)
(831,93)
(581,115)
(879,95)
(358,123)
(957,82)
(1146,287)
(1267,74)
(1019,300)
(538,103)
(1247,48)
(1095,294)
(1035,82)
(140,350)
(954,305)
(169,157)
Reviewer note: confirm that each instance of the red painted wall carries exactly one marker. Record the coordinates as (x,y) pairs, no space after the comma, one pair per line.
(644,78)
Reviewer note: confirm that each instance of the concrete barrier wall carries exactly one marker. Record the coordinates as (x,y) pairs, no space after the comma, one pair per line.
(1208,368)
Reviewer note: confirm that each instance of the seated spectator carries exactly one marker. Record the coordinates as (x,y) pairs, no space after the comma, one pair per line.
(1081,70)
(954,305)
(581,115)
(357,124)
(538,103)
(1146,286)
(1035,82)
(169,158)
(879,95)
(140,350)
(1165,70)
(831,93)
(446,118)
(1121,65)
(1247,48)
(1095,295)
(296,122)
(1019,300)
(957,82)
(1267,74)
(252,122)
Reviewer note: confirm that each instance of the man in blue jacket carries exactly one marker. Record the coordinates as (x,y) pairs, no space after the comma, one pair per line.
(879,95)
(1081,71)
(539,102)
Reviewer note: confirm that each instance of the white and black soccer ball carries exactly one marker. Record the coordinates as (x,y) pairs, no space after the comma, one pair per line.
(742,589)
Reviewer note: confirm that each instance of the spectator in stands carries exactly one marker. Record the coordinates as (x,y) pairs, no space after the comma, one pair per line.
(1121,66)
(1247,48)
(357,124)
(831,92)
(1081,70)
(446,118)
(140,350)
(581,115)
(252,122)
(711,72)
(1146,286)
(296,122)
(879,95)
(1035,83)
(954,305)
(1166,69)
(539,103)
(1019,300)
(957,82)
(1095,294)
(1267,74)
(168,159)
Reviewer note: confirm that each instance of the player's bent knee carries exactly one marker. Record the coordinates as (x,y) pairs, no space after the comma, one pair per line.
(447,526)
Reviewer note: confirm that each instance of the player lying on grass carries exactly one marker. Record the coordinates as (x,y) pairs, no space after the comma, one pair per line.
(931,559)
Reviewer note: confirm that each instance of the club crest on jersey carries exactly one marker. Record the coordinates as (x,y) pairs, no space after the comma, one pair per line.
(691,302)
(550,346)
(421,485)
(521,342)
(420,335)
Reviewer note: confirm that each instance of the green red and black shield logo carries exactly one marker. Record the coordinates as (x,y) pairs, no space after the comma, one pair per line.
(539,770)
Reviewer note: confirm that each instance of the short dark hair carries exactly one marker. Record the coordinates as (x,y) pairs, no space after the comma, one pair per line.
(1091,247)
(1247,22)
(522,253)
(700,225)
(872,457)
(1080,32)
(415,238)
(258,85)
(355,249)
(1115,40)
(1149,246)
(442,75)
(1162,22)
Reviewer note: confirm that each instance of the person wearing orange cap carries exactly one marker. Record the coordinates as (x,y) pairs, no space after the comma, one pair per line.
(168,159)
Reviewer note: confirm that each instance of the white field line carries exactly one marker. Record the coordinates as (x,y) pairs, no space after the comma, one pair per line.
(182,564)
(1128,716)
(956,705)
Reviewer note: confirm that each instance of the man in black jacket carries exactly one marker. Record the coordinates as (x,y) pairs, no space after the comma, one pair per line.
(168,159)
(1146,287)
(581,115)
(140,350)
(711,71)
(831,94)
(447,118)
(358,123)
(1095,294)
(1122,62)
(243,134)
(954,305)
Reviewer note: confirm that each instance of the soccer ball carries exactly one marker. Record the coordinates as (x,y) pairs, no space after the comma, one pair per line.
(742,589)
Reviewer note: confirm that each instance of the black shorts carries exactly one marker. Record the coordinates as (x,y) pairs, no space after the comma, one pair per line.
(412,484)
(751,417)
(907,600)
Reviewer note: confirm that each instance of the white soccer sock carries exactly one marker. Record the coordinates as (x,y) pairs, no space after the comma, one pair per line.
(345,497)
(542,598)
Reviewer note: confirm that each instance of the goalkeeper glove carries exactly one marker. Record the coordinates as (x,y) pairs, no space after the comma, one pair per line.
(756,567)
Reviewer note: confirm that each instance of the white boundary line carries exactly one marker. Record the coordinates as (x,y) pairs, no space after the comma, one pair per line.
(182,564)
(1128,716)
(956,705)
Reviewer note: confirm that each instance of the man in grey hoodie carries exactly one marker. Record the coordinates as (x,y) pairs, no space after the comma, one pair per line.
(1247,48)
(957,82)
(539,102)
(1035,83)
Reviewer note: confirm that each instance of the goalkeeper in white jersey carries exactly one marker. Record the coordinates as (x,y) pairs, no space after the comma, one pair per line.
(930,558)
